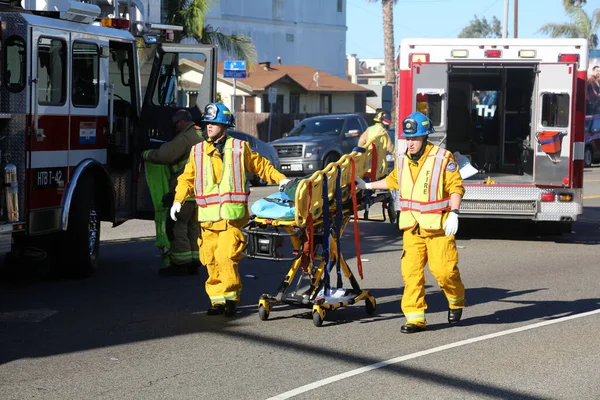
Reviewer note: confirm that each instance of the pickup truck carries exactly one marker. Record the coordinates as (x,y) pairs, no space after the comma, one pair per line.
(318,141)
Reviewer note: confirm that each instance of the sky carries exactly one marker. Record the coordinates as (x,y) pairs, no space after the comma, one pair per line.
(443,19)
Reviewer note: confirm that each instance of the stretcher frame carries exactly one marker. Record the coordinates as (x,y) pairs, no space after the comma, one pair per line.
(306,232)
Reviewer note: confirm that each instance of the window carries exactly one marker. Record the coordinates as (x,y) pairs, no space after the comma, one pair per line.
(319,127)
(86,75)
(14,64)
(120,70)
(277,107)
(294,103)
(52,82)
(340,4)
(289,37)
(431,105)
(353,125)
(555,110)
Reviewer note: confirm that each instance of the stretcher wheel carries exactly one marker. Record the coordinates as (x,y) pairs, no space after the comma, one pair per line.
(317,319)
(263,313)
(392,213)
(370,305)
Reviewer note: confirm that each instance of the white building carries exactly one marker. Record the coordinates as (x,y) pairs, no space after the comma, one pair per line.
(301,32)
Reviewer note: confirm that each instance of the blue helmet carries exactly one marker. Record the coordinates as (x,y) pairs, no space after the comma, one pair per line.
(416,124)
(218,113)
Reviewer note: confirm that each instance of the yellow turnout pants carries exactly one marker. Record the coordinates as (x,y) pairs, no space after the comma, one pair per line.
(420,248)
(221,247)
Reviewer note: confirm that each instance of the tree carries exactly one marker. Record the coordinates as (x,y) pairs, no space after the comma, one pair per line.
(581,25)
(576,3)
(389,51)
(190,15)
(481,28)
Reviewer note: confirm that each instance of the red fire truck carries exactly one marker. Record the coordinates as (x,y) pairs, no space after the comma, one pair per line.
(85,88)
(512,108)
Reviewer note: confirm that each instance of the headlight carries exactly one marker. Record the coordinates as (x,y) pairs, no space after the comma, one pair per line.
(310,151)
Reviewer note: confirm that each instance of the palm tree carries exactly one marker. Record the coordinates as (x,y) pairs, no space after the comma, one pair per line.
(581,25)
(389,50)
(190,15)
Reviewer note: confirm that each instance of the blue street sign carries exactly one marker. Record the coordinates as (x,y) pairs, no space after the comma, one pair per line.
(234,69)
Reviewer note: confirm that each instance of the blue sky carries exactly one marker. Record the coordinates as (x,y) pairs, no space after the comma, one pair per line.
(442,18)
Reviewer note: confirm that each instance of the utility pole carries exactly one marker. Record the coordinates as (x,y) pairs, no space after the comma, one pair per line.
(516,18)
(505,23)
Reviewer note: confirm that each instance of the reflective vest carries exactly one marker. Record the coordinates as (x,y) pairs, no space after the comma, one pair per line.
(227,199)
(421,199)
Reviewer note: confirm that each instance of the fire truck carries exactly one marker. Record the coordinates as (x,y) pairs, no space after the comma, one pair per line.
(512,109)
(85,88)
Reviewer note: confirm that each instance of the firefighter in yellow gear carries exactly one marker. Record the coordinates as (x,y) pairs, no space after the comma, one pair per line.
(215,175)
(431,191)
(183,255)
(381,124)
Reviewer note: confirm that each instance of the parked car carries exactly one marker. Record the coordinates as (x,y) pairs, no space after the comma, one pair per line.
(262,148)
(592,140)
(318,141)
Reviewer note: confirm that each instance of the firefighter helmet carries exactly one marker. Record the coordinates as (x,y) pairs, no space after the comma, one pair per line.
(383,117)
(416,124)
(218,113)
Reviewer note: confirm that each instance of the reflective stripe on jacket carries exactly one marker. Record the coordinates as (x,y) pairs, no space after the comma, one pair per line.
(422,198)
(227,199)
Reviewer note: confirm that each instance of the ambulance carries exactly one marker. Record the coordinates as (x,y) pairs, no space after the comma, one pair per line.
(513,113)
(85,88)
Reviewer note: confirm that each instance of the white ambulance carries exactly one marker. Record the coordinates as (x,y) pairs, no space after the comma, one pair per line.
(514,109)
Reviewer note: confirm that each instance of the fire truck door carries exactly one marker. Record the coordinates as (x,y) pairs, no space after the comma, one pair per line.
(89,99)
(49,115)
(553,137)
(430,93)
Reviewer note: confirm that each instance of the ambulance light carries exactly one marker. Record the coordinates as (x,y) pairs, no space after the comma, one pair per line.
(565,197)
(527,53)
(548,197)
(568,58)
(419,58)
(119,23)
(493,53)
(460,53)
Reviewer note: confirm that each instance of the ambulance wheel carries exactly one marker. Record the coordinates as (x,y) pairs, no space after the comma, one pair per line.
(588,157)
(370,305)
(317,319)
(81,242)
(263,314)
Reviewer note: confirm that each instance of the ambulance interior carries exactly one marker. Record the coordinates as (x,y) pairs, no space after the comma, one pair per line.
(489,117)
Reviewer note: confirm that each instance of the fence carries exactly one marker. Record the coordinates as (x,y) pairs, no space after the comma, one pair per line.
(257,124)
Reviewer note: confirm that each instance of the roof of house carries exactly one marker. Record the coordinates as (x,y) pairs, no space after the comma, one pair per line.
(260,78)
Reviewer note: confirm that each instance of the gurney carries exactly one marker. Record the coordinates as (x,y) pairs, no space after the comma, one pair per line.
(322,205)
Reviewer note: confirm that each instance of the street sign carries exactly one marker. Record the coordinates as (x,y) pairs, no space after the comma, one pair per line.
(234,69)
(272,95)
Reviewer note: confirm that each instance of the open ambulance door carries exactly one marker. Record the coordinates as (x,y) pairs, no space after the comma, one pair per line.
(183,76)
(553,121)
(430,94)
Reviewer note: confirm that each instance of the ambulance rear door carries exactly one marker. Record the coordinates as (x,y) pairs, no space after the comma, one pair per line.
(430,93)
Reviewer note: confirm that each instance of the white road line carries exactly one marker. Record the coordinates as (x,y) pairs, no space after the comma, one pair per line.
(358,371)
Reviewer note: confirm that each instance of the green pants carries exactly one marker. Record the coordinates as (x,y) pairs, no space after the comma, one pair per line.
(183,235)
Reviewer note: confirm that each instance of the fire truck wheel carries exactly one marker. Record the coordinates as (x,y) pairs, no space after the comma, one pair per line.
(81,242)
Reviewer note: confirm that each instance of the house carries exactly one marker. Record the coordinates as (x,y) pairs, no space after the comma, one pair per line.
(299,89)
(369,74)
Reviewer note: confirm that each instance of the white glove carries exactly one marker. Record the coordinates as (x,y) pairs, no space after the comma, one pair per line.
(361,184)
(451,224)
(175,208)
(283,183)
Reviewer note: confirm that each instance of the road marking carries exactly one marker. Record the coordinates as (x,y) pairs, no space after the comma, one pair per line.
(339,377)
(593,196)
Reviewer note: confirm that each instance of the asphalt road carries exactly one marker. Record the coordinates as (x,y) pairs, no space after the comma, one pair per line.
(530,329)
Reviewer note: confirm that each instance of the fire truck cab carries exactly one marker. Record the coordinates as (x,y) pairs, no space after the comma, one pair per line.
(85,88)
(515,109)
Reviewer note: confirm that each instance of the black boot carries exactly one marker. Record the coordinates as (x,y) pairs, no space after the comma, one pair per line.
(454,315)
(216,309)
(172,270)
(230,308)
(192,268)
(412,328)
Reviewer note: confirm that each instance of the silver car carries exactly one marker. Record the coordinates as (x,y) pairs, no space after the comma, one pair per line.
(260,147)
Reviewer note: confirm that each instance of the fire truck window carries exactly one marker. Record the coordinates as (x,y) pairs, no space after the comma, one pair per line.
(14,64)
(431,105)
(85,75)
(555,110)
(179,80)
(52,82)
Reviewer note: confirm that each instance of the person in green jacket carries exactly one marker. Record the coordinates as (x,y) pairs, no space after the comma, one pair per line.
(184,232)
